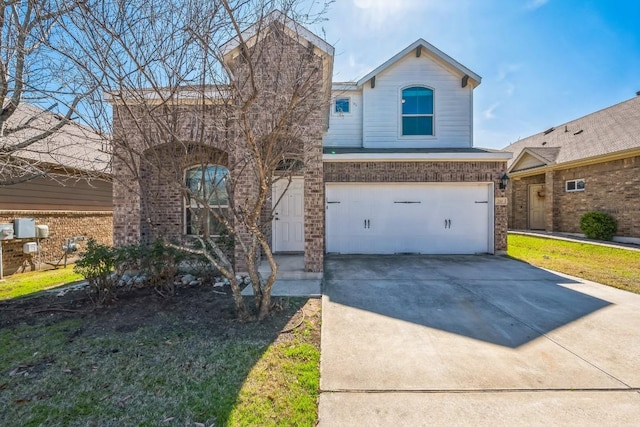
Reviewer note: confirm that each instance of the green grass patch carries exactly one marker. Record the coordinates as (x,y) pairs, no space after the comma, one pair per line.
(282,388)
(168,370)
(28,283)
(615,267)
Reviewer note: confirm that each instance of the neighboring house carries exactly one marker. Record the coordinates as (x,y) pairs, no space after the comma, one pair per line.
(74,199)
(393,171)
(588,164)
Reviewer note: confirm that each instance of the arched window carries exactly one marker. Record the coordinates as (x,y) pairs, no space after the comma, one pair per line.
(207,192)
(417,111)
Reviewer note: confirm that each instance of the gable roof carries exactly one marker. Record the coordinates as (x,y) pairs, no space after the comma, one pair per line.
(294,28)
(612,130)
(72,147)
(433,51)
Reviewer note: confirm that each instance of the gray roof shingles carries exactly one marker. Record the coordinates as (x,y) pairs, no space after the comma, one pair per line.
(613,129)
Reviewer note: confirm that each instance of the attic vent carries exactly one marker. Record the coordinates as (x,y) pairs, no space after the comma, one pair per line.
(579,132)
(548,131)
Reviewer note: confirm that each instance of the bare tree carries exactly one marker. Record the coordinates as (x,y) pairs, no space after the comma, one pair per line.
(213,102)
(40,95)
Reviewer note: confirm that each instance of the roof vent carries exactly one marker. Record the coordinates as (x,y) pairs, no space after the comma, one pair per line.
(548,131)
(579,132)
(638,93)
(544,142)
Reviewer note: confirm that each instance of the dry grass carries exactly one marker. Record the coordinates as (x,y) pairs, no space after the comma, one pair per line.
(615,267)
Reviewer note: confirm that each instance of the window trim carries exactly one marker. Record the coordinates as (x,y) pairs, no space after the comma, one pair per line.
(575,182)
(335,106)
(401,134)
(189,204)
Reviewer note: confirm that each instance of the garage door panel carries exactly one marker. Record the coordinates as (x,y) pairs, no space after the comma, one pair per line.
(408,218)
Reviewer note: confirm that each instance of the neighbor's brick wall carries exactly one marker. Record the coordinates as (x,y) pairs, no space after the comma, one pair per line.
(62,225)
(519,201)
(427,172)
(612,187)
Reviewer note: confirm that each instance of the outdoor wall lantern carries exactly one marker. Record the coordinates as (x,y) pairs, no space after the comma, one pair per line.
(504,180)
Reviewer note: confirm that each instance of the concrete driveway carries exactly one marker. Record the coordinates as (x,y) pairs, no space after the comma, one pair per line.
(474,340)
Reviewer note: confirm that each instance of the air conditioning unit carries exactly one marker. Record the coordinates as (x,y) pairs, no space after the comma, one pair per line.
(6,231)
(30,248)
(24,228)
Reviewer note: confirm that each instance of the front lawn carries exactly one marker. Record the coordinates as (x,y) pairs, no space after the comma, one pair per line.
(28,283)
(154,362)
(615,267)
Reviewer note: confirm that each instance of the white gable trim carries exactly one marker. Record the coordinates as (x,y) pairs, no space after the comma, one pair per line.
(431,49)
(523,155)
(417,157)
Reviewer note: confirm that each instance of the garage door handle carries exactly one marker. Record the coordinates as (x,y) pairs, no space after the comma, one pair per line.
(407,202)
(447,223)
(332,202)
(483,202)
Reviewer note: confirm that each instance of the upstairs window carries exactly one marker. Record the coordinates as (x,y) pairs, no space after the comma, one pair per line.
(343,106)
(417,111)
(207,192)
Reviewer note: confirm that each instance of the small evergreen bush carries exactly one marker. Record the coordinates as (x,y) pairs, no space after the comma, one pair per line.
(598,225)
(96,265)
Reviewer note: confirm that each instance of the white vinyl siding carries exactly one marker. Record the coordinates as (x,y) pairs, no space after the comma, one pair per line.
(382,121)
(345,130)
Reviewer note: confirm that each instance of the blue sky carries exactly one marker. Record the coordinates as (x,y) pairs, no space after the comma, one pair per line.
(543,62)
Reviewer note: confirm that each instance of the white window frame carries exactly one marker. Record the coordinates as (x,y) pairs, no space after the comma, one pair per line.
(335,106)
(575,185)
(400,115)
(192,204)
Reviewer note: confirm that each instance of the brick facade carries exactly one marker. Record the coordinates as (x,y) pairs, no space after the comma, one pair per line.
(612,187)
(154,146)
(428,172)
(62,225)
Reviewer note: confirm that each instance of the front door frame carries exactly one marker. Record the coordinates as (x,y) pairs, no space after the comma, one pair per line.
(533,190)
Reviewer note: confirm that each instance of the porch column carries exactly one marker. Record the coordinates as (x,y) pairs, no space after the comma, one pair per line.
(548,201)
(314,211)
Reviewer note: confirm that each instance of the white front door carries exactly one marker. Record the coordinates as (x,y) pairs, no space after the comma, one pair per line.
(288,221)
(386,218)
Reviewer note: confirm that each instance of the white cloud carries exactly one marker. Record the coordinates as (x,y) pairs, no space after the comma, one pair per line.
(535,4)
(506,69)
(511,88)
(377,12)
(488,113)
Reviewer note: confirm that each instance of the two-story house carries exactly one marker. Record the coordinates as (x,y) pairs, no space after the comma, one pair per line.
(394,170)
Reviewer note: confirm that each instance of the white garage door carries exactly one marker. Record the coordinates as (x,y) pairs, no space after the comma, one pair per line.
(409,218)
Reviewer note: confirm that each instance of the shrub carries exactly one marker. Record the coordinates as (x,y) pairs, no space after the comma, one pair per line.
(598,225)
(96,265)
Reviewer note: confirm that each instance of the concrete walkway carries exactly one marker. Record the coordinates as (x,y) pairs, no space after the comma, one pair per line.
(474,340)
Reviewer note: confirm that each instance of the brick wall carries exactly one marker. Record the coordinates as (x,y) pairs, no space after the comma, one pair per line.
(427,172)
(62,225)
(612,187)
(148,144)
